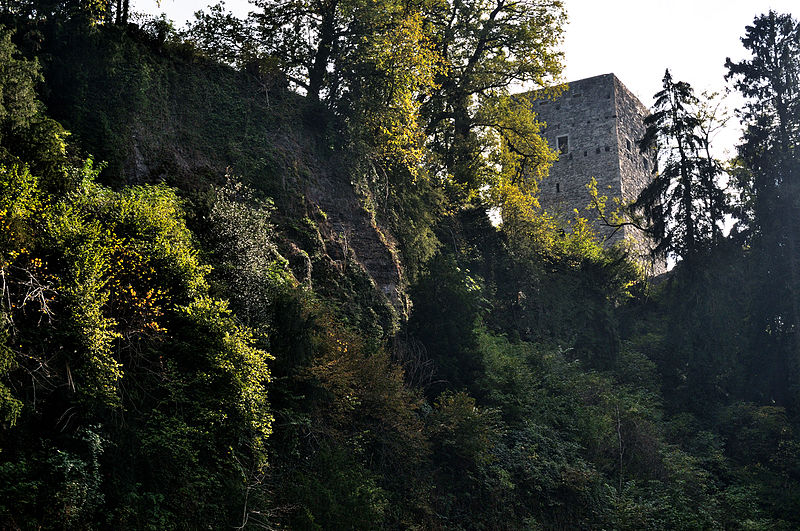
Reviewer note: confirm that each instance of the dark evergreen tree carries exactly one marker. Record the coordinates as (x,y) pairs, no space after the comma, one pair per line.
(770,81)
(770,177)
(682,203)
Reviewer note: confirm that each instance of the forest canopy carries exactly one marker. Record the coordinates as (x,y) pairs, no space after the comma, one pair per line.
(249,279)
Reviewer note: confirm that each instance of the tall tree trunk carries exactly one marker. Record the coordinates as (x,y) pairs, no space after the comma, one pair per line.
(791,225)
(686,181)
(461,152)
(714,208)
(327,36)
(121,15)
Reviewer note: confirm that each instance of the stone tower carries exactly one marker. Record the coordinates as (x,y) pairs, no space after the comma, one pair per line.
(596,125)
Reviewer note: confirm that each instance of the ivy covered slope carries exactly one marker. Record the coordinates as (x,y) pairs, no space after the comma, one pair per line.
(255,285)
(125,383)
(158,111)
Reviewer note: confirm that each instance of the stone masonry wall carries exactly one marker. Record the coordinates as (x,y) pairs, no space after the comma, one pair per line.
(603,123)
(585,113)
(635,168)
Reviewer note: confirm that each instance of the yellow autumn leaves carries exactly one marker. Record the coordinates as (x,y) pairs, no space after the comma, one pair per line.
(408,64)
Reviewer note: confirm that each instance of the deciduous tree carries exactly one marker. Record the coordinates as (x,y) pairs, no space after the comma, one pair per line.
(490,47)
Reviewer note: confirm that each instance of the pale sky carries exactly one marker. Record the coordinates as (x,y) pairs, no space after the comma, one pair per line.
(635,39)
(638,39)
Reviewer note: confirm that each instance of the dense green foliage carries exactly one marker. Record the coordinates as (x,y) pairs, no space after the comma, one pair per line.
(339,338)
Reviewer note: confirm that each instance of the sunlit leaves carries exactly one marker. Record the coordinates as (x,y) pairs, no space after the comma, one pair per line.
(406,65)
(489,48)
(237,364)
(518,153)
(246,256)
(535,232)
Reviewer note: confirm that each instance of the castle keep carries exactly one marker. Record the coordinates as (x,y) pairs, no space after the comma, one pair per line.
(596,125)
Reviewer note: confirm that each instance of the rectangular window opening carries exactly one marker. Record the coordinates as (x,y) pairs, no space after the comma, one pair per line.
(562,143)
(558,188)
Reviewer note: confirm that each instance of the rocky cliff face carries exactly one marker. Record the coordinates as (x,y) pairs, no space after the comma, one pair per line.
(351,228)
(311,184)
(156,118)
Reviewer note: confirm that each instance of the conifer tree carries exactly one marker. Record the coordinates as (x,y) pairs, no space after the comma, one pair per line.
(770,180)
(770,81)
(682,203)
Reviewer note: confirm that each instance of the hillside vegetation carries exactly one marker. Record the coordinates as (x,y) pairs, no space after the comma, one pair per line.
(249,280)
